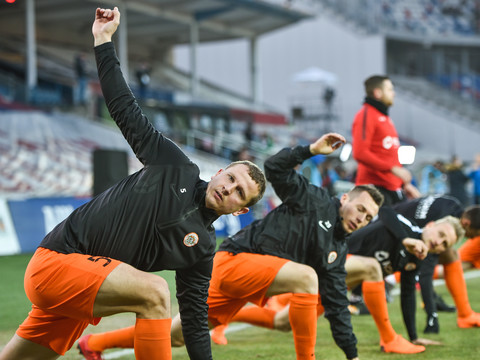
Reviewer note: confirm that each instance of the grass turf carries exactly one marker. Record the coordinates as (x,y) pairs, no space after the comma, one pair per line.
(257,343)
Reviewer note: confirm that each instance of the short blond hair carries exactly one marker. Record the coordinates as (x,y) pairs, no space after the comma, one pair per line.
(456,224)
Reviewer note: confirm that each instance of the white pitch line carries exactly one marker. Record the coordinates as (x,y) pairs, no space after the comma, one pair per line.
(470,274)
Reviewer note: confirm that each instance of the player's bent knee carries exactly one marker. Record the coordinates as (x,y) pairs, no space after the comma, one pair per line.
(281,321)
(306,281)
(176,334)
(177,341)
(157,299)
(296,278)
(373,271)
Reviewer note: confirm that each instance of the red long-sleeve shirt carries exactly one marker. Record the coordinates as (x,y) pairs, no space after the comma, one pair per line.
(375,148)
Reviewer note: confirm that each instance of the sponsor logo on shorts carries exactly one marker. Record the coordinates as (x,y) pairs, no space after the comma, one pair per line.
(332,257)
(190,239)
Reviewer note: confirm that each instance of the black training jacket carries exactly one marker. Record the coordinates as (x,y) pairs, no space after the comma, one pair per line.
(422,211)
(305,228)
(380,241)
(154,219)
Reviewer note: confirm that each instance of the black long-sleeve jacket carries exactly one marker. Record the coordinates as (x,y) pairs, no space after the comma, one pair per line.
(379,240)
(154,219)
(305,228)
(422,211)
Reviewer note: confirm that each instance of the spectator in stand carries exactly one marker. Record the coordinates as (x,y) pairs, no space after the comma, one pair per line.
(143,79)
(433,179)
(80,65)
(245,154)
(328,96)
(457,180)
(475,176)
(375,144)
(249,132)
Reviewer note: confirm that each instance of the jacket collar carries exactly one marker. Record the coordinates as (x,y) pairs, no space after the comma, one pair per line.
(208,214)
(338,233)
(377,105)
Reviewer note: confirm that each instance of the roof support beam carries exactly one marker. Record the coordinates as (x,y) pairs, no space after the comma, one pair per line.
(123,43)
(183,19)
(193,58)
(254,75)
(32,76)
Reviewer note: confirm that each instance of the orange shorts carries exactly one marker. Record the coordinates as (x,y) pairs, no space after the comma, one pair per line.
(237,280)
(62,289)
(470,251)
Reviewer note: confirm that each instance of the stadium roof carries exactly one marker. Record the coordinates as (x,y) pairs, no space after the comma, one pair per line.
(151,24)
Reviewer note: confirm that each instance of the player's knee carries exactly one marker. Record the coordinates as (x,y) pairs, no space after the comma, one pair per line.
(281,321)
(176,332)
(306,281)
(177,341)
(157,299)
(372,270)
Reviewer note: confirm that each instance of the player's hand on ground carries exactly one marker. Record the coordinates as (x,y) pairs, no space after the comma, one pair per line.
(327,144)
(425,342)
(105,25)
(416,247)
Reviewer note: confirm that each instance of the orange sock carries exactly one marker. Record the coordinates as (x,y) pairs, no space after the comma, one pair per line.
(303,318)
(457,287)
(283,299)
(122,338)
(152,339)
(398,275)
(258,316)
(278,302)
(374,297)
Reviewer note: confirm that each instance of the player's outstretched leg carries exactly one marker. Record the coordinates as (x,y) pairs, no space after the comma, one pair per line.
(390,341)
(91,346)
(455,281)
(218,334)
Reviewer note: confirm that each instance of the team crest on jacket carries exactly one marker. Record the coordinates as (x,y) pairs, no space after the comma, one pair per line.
(332,257)
(410,266)
(190,239)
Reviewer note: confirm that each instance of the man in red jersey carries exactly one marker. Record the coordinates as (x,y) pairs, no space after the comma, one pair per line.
(375,148)
(375,144)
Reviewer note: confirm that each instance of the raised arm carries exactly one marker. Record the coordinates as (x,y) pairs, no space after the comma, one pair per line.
(280,168)
(327,144)
(148,144)
(105,25)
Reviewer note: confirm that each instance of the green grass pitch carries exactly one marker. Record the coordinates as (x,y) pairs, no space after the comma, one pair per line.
(257,343)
